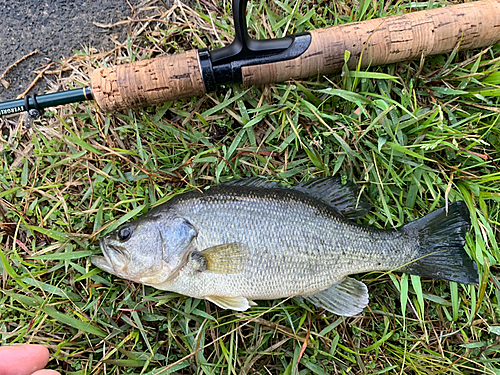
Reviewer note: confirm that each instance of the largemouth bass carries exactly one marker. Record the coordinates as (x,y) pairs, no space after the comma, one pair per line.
(251,240)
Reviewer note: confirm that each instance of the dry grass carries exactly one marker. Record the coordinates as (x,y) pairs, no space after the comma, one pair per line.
(410,145)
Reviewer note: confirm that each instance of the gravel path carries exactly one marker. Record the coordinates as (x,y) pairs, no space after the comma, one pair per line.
(56,28)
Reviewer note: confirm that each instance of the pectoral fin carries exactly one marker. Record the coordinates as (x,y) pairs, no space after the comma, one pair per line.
(227,259)
(231,303)
(347,298)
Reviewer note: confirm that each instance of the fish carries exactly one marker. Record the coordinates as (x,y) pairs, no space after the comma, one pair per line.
(253,239)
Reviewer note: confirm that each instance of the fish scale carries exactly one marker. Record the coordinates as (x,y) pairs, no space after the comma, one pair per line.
(251,240)
(305,247)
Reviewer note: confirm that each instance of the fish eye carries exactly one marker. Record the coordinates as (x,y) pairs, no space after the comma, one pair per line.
(125,233)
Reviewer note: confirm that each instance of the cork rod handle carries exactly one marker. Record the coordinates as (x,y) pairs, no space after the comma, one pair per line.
(148,82)
(387,40)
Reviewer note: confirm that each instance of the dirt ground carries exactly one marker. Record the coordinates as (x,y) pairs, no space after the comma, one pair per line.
(55,28)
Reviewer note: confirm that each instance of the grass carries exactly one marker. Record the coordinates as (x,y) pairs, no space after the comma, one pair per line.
(414,137)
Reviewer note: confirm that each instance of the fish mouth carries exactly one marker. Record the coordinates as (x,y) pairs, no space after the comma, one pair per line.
(115,259)
(100,262)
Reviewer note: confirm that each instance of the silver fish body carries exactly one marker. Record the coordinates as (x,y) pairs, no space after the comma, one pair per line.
(251,240)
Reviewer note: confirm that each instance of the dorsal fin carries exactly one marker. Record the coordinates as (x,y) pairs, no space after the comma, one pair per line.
(344,198)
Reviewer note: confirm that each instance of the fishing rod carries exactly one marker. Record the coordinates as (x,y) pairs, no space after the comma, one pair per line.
(253,62)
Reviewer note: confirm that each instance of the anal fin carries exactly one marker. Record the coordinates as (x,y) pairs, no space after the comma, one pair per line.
(346,298)
(231,303)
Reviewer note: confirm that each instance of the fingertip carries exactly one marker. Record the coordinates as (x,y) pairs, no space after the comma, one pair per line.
(46,372)
(22,359)
(40,351)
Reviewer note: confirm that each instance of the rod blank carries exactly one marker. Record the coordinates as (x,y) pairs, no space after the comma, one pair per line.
(47,100)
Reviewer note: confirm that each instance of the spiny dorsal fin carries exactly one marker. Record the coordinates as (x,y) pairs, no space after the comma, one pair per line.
(261,182)
(344,198)
(228,258)
(231,303)
(347,298)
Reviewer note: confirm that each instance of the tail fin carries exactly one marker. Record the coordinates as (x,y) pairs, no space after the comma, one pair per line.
(441,241)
